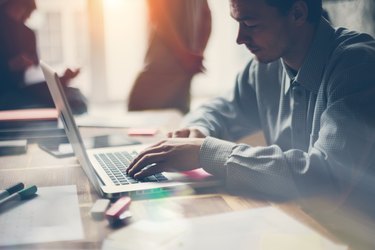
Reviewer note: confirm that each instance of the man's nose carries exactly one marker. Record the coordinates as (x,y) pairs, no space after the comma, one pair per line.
(241,38)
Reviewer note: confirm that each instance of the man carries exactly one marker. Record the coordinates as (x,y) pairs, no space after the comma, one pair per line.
(18,52)
(310,88)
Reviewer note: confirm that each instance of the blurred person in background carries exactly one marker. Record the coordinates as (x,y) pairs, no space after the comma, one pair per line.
(18,52)
(178,35)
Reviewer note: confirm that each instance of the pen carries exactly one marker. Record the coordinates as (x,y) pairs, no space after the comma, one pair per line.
(11,190)
(20,195)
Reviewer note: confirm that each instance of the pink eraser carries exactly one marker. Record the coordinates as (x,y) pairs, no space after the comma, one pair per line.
(142,131)
(197,174)
(118,208)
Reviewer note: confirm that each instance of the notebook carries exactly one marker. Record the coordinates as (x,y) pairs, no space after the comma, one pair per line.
(105,167)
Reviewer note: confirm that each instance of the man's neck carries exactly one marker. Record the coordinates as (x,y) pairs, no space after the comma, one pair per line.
(300,47)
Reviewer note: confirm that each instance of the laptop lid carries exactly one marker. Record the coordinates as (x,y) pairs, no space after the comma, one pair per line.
(71,129)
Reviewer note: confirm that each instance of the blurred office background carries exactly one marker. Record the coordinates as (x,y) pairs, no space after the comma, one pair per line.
(107,40)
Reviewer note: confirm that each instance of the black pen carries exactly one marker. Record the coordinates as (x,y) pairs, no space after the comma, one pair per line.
(11,190)
(20,195)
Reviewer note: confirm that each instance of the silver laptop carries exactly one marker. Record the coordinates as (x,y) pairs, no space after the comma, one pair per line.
(105,167)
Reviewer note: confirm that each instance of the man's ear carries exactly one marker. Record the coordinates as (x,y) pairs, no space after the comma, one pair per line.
(299,12)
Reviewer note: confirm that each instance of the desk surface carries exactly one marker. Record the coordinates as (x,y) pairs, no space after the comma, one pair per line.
(39,168)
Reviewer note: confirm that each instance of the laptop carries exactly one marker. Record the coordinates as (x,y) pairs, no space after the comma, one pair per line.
(105,167)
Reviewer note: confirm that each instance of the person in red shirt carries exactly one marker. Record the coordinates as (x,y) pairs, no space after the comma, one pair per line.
(178,35)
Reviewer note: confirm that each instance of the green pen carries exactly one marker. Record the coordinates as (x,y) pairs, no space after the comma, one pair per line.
(20,195)
(11,190)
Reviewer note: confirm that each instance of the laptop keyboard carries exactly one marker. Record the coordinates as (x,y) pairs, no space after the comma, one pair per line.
(115,165)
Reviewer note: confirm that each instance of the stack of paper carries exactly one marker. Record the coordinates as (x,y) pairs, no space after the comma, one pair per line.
(30,124)
(22,118)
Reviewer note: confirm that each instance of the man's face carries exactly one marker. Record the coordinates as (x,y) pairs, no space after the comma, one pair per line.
(262,29)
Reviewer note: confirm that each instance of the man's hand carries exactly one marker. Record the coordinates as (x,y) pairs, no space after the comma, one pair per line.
(186,133)
(69,75)
(21,62)
(192,62)
(171,155)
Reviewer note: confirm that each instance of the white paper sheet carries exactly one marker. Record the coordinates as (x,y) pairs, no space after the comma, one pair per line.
(51,216)
(263,228)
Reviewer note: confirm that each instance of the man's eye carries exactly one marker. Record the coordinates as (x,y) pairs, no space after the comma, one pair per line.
(250,25)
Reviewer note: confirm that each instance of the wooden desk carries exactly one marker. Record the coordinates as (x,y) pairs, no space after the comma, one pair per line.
(39,168)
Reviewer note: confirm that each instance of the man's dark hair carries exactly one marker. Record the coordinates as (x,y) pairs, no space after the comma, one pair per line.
(315,7)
